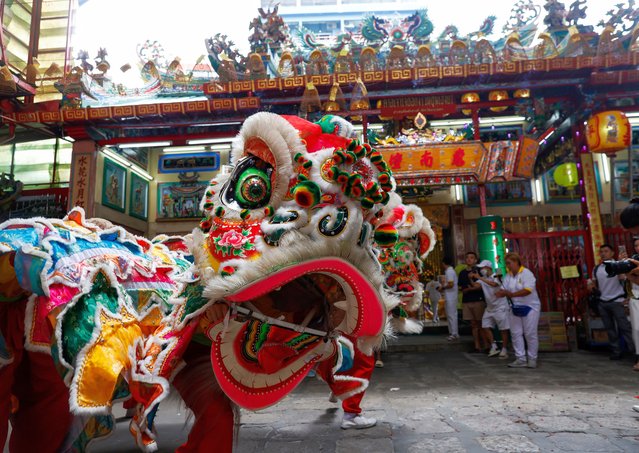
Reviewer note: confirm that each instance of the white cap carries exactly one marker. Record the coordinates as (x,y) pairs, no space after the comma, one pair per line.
(485,263)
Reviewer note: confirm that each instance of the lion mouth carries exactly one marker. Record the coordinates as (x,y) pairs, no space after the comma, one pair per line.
(285,323)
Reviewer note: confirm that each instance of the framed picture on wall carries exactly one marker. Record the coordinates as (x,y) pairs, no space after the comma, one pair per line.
(177,163)
(113,185)
(178,200)
(512,192)
(139,197)
(622,180)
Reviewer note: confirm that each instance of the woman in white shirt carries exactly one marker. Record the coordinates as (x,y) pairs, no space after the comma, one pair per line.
(520,286)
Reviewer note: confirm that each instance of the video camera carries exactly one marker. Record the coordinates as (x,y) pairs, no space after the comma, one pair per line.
(614,268)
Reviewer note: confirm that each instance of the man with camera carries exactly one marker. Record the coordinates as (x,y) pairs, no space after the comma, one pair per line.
(473,302)
(607,284)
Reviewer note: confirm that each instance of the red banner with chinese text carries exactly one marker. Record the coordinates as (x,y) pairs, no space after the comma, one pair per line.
(592,202)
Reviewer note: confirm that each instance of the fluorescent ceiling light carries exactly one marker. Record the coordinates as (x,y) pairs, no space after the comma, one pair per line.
(458,192)
(145,145)
(486,121)
(605,167)
(502,120)
(122,161)
(206,141)
(143,174)
(184,149)
(372,127)
(226,147)
(445,123)
(116,157)
(632,114)
(634,121)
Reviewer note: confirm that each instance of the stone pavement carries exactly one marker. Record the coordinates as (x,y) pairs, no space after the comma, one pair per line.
(447,401)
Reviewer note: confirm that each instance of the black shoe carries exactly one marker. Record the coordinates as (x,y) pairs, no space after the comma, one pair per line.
(616,357)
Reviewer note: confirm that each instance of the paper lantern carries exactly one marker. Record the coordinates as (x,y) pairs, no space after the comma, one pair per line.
(566,175)
(498,95)
(608,132)
(467,98)
(522,93)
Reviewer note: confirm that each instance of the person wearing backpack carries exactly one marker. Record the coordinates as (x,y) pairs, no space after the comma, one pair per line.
(612,297)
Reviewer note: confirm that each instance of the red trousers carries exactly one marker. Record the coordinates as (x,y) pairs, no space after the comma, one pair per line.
(214,424)
(42,419)
(363,366)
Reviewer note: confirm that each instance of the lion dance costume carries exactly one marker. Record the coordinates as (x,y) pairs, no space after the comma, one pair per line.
(290,243)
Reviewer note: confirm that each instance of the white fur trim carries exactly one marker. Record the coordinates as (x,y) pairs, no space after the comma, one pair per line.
(407,325)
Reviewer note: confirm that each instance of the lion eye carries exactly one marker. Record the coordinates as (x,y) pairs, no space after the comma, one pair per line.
(250,185)
(253,189)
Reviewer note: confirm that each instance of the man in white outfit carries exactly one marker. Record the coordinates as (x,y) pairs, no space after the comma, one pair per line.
(450,294)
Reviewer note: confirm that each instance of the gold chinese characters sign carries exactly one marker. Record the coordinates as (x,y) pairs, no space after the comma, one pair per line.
(441,162)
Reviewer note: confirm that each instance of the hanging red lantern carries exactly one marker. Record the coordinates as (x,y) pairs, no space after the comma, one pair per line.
(608,132)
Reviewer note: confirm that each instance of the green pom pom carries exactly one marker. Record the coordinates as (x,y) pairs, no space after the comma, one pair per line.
(333,172)
(299,157)
(205,225)
(219,211)
(354,179)
(386,235)
(302,177)
(376,157)
(353,144)
(367,203)
(227,271)
(372,189)
(208,205)
(307,164)
(360,152)
(351,158)
(269,211)
(307,194)
(245,214)
(339,156)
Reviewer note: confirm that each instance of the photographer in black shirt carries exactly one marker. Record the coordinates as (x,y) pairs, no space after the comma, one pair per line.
(473,303)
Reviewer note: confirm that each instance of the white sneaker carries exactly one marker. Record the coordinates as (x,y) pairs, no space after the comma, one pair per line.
(379,364)
(358,422)
(503,354)
(635,408)
(519,363)
(332,398)
(532,363)
(494,350)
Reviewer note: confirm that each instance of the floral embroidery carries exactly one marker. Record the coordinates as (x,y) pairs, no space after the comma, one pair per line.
(233,243)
